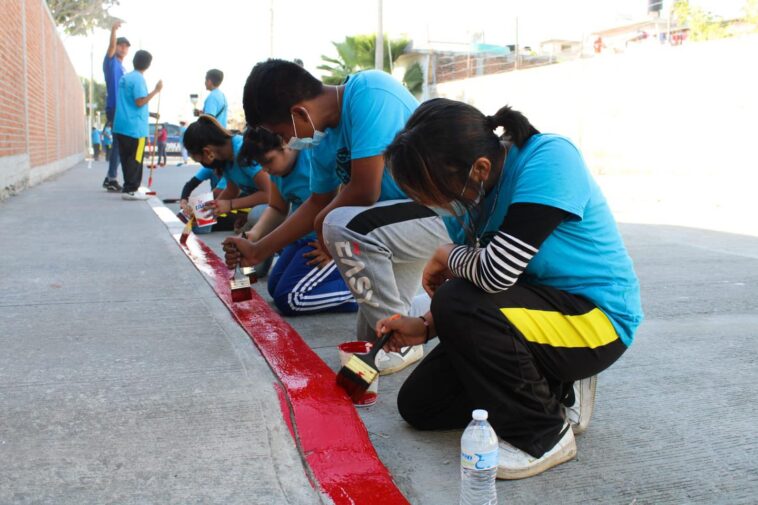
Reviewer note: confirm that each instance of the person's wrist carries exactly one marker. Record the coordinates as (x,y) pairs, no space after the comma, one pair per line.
(426,328)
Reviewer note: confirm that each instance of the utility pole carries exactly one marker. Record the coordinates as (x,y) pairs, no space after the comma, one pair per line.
(515,67)
(271,30)
(379,54)
(90,102)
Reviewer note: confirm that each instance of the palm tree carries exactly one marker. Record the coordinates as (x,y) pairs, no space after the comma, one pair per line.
(356,53)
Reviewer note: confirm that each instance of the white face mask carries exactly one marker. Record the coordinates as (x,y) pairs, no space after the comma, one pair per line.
(298,143)
(459,210)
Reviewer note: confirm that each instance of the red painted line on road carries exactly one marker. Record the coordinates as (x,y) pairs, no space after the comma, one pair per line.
(333,439)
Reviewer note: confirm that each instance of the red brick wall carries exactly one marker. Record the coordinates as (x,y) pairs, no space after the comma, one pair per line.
(46,89)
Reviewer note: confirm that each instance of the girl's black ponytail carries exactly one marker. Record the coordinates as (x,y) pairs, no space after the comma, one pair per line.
(517,127)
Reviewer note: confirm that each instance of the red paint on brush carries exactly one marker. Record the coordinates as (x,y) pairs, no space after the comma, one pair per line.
(333,440)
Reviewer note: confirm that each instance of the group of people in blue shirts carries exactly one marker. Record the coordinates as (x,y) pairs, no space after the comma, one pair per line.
(501,246)
(429,225)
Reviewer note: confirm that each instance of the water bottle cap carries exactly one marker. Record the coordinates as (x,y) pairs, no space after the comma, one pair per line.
(480,415)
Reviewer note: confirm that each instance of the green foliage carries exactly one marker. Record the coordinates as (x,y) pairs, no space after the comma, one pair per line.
(98,95)
(80,17)
(356,53)
(414,79)
(702,24)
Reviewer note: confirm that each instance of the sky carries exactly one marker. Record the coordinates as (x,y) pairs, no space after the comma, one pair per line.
(187,38)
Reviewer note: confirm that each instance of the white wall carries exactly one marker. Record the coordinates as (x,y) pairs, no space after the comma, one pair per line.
(688,110)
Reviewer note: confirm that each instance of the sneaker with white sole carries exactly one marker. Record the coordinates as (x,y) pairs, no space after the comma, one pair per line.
(390,362)
(513,463)
(133,195)
(579,414)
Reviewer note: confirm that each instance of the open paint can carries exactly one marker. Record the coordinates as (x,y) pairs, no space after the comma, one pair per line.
(346,350)
(203,216)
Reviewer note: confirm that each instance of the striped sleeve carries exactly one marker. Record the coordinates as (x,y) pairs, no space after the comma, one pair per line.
(498,266)
(494,268)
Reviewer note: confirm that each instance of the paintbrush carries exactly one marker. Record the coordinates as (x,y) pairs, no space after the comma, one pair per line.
(251,274)
(360,370)
(240,286)
(187,230)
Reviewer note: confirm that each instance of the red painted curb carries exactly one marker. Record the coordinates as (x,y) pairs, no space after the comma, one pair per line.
(333,440)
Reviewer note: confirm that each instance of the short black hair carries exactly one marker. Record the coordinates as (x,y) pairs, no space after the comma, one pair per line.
(258,141)
(273,87)
(142,60)
(204,132)
(215,75)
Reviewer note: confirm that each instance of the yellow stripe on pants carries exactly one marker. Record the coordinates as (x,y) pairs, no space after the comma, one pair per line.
(592,329)
(140,150)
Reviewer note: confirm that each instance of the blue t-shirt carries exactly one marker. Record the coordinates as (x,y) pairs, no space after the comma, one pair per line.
(295,186)
(131,120)
(205,174)
(95,137)
(215,105)
(243,177)
(584,255)
(113,70)
(374,108)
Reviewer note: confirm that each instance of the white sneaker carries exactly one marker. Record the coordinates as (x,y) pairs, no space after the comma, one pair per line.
(514,463)
(579,414)
(391,362)
(133,195)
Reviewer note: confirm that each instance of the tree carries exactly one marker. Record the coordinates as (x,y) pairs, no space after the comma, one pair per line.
(99,94)
(702,24)
(80,17)
(414,79)
(356,53)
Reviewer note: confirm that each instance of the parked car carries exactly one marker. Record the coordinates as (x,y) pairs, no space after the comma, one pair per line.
(174,141)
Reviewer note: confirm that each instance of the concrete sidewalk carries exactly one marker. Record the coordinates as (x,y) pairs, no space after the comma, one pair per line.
(675,417)
(123,379)
(176,405)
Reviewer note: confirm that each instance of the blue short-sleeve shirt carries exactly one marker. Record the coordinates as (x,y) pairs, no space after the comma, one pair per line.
(585,255)
(295,186)
(208,174)
(113,70)
(375,107)
(131,120)
(215,105)
(242,176)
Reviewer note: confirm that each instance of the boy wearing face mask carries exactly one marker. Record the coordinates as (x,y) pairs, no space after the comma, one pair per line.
(302,281)
(379,239)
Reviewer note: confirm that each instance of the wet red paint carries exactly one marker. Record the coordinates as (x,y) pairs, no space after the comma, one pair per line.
(332,438)
(357,347)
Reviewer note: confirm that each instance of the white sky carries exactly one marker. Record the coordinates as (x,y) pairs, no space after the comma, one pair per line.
(188,37)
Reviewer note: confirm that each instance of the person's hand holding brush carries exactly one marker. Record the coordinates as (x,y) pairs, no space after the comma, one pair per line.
(238,249)
(406,330)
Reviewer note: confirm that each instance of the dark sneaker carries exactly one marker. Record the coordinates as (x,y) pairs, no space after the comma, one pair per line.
(114,187)
(106,182)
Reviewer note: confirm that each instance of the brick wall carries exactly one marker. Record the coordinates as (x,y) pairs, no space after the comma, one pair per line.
(42,108)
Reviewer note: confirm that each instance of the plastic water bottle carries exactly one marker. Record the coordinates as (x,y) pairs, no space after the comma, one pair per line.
(478,462)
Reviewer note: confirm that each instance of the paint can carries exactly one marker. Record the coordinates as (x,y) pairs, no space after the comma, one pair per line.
(203,216)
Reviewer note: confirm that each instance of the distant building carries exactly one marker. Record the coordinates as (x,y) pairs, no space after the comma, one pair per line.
(560,49)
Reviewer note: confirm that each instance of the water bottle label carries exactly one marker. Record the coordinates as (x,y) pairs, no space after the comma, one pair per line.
(479,461)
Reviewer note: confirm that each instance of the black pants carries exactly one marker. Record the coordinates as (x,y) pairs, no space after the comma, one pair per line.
(107,150)
(515,354)
(96,151)
(131,151)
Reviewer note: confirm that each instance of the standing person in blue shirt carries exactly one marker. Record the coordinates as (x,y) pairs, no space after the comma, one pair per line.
(107,137)
(535,296)
(215,103)
(379,239)
(299,282)
(185,155)
(130,127)
(113,70)
(96,141)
